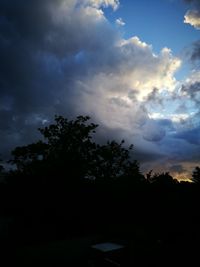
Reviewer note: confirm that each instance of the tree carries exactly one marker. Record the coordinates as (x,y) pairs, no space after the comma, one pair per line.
(68,150)
(113,162)
(68,154)
(1,167)
(3,172)
(26,156)
(65,151)
(161,179)
(196,175)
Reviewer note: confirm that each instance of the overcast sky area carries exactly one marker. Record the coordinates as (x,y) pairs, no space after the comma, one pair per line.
(132,66)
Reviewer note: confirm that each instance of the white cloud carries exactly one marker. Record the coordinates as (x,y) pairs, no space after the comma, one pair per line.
(101,3)
(112,75)
(193,78)
(192,17)
(120,22)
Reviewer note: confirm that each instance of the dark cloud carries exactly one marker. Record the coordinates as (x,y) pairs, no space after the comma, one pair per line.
(143,155)
(192,136)
(193,17)
(177,168)
(193,54)
(155,97)
(43,46)
(166,124)
(193,2)
(153,132)
(193,91)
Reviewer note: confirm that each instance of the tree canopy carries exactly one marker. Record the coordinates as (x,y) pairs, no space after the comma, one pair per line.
(68,150)
(196,175)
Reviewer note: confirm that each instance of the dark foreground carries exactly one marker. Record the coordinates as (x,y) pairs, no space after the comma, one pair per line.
(143,247)
(68,193)
(158,226)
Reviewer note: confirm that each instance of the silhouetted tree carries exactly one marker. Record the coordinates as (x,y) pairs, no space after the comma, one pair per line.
(65,151)
(196,175)
(26,156)
(68,150)
(113,162)
(67,169)
(3,172)
(1,167)
(149,176)
(163,179)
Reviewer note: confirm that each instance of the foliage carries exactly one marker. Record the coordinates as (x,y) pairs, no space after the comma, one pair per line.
(161,179)
(196,175)
(1,167)
(69,151)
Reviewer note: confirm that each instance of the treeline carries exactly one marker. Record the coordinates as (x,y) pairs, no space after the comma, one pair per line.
(68,185)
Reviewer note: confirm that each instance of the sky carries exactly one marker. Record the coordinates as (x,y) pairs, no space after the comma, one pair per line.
(132,66)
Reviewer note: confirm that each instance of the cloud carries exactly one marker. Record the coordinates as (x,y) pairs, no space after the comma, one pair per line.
(194,2)
(154,97)
(120,22)
(181,172)
(153,132)
(64,57)
(193,91)
(192,53)
(192,136)
(192,17)
(191,88)
(177,168)
(101,3)
(195,51)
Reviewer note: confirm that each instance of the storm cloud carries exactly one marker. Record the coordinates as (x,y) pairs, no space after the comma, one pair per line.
(192,17)
(65,57)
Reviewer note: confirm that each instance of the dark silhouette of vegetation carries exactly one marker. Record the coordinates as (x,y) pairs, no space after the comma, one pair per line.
(161,179)
(69,155)
(196,175)
(66,185)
